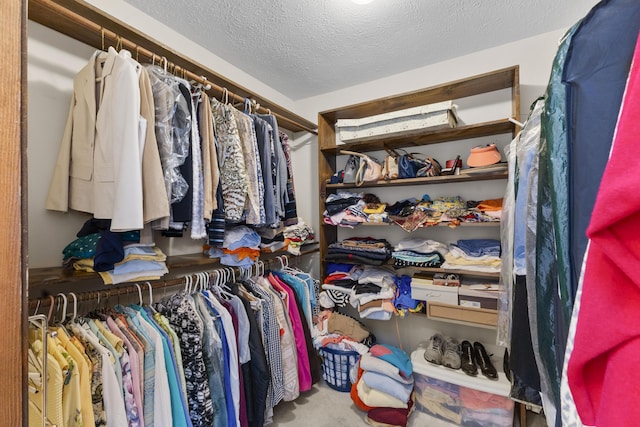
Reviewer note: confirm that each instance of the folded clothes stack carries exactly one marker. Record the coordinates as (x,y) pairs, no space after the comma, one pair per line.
(359,250)
(297,235)
(384,386)
(241,247)
(348,209)
(417,252)
(117,256)
(482,255)
(374,293)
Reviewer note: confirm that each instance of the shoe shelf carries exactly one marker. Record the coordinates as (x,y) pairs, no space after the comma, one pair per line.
(470,316)
(499,387)
(443,179)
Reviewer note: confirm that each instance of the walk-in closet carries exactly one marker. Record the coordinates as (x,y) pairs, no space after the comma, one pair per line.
(319,213)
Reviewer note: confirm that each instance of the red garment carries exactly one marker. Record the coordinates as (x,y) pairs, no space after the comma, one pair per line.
(602,372)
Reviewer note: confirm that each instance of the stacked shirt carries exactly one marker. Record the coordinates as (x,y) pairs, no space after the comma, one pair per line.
(240,247)
(384,386)
(117,256)
(481,255)
(416,252)
(360,250)
(373,295)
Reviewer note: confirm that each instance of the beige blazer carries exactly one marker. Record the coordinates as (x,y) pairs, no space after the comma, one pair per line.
(99,166)
(154,193)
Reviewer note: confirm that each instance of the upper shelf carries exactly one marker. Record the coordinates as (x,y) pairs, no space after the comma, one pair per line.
(443,179)
(425,137)
(481,83)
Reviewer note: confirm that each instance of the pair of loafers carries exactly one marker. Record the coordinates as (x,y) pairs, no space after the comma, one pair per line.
(474,356)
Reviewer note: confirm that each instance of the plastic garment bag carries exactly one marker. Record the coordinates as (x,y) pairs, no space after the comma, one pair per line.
(173,127)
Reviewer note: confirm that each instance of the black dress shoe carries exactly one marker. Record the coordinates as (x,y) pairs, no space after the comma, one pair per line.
(467,360)
(483,360)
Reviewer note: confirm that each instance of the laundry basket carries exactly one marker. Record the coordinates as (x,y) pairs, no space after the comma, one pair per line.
(336,365)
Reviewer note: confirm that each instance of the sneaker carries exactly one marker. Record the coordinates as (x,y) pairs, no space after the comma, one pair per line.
(451,353)
(468,362)
(433,352)
(486,367)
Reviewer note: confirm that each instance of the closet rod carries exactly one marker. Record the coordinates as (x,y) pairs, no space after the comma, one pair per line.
(92,33)
(131,288)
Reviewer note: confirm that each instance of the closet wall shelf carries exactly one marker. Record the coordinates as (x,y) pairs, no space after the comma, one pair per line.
(86,23)
(443,179)
(441,224)
(425,137)
(52,280)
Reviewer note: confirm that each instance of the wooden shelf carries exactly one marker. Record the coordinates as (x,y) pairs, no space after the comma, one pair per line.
(51,280)
(441,224)
(425,137)
(504,78)
(444,179)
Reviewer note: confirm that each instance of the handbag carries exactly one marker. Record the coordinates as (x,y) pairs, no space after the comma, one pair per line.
(390,165)
(412,166)
(368,170)
(351,169)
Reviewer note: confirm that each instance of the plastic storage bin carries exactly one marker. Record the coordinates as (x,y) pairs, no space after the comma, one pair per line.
(336,366)
(460,399)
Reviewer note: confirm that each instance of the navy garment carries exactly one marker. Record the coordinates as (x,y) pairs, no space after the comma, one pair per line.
(258,371)
(522,361)
(595,70)
(182,210)
(264,136)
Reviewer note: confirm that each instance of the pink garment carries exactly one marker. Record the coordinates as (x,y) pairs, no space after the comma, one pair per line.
(602,370)
(134,364)
(304,371)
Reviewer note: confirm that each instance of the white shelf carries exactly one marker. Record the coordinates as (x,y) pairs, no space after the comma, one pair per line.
(501,387)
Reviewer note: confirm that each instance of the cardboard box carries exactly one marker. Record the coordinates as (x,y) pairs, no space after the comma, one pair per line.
(440,115)
(477,298)
(434,293)
(458,398)
(478,316)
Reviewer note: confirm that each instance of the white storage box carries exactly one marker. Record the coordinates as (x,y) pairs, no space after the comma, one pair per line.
(453,396)
(434,293)
(440,115)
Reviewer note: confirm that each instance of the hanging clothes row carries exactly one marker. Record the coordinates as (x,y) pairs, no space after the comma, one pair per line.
(143,147)
(556,165)
(220,352)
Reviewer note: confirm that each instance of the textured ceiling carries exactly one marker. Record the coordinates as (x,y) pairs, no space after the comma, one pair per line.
(309,47)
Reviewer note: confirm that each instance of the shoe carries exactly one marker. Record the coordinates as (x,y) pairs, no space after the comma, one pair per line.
(468,362)
(433,352)
(483,360)
(451,353)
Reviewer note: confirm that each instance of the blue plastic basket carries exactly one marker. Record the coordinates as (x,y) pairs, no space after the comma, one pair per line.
(336,365)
